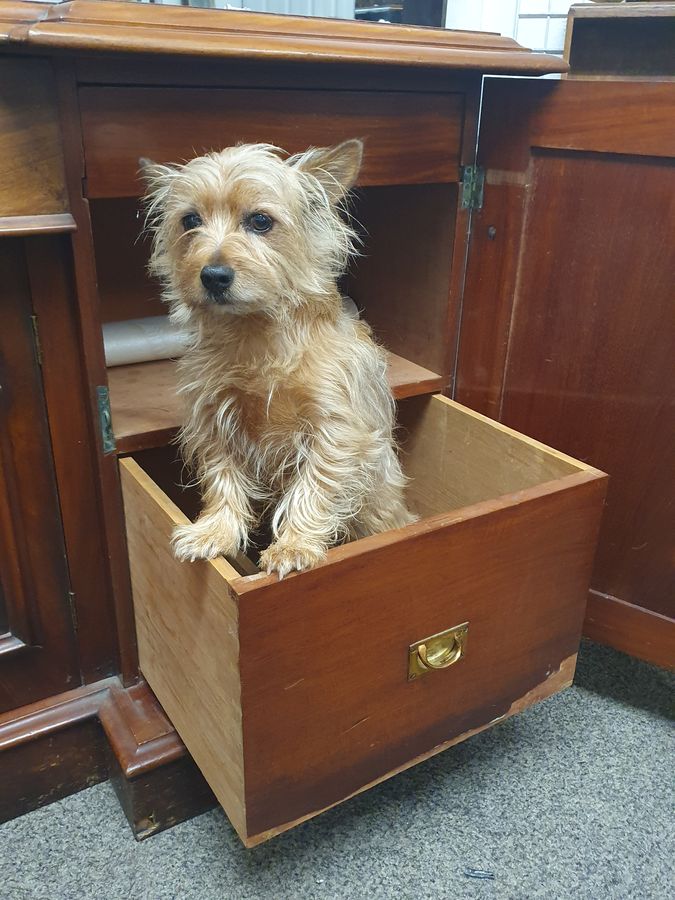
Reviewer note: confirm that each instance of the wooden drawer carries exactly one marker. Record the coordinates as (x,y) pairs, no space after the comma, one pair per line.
(411,138)
(294,695)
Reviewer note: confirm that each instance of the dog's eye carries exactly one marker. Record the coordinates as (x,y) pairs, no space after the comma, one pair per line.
(259,222)
(191,221)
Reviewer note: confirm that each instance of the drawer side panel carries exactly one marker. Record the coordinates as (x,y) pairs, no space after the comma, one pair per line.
(188,648)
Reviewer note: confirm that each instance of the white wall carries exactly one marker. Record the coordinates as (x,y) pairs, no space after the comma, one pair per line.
(336,9)
(538,24)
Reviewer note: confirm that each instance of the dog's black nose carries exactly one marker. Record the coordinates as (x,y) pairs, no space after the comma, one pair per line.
(217,279)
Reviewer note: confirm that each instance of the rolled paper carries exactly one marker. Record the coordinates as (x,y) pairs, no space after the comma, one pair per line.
(142,340)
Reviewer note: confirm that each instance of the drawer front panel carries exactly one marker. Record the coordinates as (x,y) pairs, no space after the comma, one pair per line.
(327,705)
(411,138)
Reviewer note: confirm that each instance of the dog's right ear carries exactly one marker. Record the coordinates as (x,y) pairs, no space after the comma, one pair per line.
(335,168)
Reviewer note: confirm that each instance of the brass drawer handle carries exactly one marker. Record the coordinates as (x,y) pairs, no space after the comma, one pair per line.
(439,655)
(440,651)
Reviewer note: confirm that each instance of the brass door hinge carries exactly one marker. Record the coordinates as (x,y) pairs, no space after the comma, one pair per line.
(36,339)
(473,186)
(105,419)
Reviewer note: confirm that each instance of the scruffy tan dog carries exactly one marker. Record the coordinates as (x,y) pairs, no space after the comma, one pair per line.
(287,396)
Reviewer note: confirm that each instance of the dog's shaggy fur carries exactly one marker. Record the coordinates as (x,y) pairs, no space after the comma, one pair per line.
(287,396)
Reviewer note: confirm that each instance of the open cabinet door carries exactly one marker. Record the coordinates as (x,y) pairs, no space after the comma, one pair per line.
(568,323)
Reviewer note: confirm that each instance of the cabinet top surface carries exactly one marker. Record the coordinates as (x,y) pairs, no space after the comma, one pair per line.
(84,26)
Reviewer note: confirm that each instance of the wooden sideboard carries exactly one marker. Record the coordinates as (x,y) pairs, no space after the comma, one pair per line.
(488,299)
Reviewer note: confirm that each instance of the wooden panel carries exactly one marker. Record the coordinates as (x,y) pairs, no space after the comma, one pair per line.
(147,410)
(170,125)
(489,289)
(31,160)
(603,117)
(197,684)
(162,797)
(51,767)
(94,372)
(456,457)
(41,657)
(631,629)
(162,29)
(557,681)
(125,289)
(20,226)
(16,13)
(402,282)
(567,328)
(524,607)
(70,741)
(591,370)
(73,434)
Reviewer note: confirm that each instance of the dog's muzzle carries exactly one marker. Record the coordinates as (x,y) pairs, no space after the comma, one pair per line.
(217,281)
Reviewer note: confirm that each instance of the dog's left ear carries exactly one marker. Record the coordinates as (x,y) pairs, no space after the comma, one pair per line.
(157,177)
(335,168)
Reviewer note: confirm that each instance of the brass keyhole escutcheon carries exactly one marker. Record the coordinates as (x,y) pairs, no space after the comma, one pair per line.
(439,651)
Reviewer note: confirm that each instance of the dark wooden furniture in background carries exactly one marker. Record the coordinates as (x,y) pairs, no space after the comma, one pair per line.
(568,327)
(85,88)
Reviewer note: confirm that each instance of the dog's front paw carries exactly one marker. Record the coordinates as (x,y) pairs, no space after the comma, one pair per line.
(286,556)
(207,538)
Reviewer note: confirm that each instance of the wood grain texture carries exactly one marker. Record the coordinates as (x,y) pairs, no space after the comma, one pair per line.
(373,597)
(87,25)
(94,372)
(196,681)
(49,768)
(140,735)
(14,13)
(594,376)
(162,797)
(455,457)
(147,410)
(51,749)
(555,682)
(631,629)
(574,346)
(301,754)
(73,434)
(34,584)
(488,296)
(402,280)
(22,226)
(69,741)
(600,117)
(120,125)
(31,159)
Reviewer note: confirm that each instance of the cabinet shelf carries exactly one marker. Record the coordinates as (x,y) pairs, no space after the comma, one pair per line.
(147,411)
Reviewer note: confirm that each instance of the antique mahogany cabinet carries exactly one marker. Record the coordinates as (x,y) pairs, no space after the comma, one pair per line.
(528,283)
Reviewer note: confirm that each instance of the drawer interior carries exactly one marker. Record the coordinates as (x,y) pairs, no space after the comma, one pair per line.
(453,457)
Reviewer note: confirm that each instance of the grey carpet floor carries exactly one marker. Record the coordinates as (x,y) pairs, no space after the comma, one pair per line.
(571,799)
